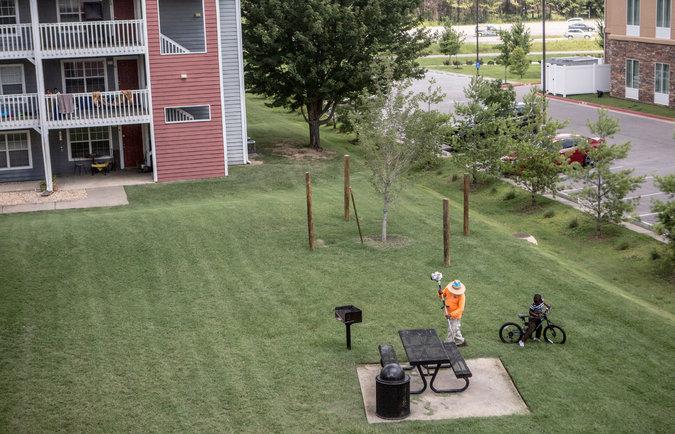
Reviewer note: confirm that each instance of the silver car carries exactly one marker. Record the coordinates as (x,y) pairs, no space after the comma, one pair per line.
(578,33)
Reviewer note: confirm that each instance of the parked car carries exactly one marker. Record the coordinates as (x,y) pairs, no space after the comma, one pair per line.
(581,26)
(488,31)
(568,145)
(577,33)
(575,20)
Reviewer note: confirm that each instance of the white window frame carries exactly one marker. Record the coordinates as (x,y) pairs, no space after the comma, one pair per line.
(663,32)
(632,92)
(63,72)
(662,98)
(110,144)
(23,76)
(159,31)
(58,11)
(633,28)
(188,106)
(3,136)
(16,16)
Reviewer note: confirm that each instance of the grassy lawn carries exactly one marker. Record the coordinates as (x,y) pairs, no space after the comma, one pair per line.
(573,45)
(198,307)
(494,71)
(610,101)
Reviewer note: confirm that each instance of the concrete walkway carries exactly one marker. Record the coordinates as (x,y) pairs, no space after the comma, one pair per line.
(98,197)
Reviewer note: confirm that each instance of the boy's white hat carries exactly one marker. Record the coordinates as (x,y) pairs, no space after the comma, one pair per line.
(456,287)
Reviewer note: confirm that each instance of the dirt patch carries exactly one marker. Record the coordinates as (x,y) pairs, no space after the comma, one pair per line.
(31,197)
(295,151)
(253,162)
(393,242)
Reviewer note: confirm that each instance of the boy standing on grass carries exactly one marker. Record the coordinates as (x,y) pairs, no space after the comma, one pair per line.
(537,311)
(454,299)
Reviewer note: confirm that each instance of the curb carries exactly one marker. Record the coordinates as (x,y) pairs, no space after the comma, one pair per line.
(611,109)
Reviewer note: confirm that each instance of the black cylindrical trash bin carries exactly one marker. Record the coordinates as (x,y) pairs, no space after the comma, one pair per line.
(392,393)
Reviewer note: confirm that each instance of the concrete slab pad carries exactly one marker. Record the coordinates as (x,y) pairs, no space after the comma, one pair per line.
(27,207)
(491,393)
(98,197)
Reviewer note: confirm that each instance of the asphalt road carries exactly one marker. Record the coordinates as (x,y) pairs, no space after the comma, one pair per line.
(652,143)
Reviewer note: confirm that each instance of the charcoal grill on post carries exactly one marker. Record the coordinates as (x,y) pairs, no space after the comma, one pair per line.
(348,315)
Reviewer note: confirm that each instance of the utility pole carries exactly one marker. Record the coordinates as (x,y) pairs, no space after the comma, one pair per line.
(477,55)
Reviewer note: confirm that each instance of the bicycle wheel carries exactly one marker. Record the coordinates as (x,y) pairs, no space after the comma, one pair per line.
(510,333)
(554,335)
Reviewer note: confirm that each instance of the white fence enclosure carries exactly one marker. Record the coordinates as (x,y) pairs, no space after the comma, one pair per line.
(576,75)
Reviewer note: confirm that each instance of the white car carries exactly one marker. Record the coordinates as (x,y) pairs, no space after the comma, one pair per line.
(575,20)
(577,33)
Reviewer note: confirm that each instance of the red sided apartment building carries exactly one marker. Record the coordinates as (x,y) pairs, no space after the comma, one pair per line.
(640,47)
(123,83)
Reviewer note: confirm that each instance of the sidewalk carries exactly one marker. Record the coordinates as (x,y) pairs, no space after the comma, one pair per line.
(96,198)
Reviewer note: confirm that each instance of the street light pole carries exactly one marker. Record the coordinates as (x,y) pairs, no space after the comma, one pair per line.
(543,46)
(477,55)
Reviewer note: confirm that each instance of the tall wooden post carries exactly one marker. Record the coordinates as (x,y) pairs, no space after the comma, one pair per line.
(446,232)
(310,219)
(466,204)
(347,185)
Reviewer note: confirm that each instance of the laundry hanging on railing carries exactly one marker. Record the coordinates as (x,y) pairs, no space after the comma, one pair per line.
(65,103)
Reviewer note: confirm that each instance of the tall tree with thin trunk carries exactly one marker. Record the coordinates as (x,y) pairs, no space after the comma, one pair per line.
(310,55)
(395,132)
(605,191)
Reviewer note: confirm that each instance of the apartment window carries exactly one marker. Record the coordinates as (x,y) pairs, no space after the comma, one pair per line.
(85,142)
(662,78)
(11,80)
(8,12)
(198,113)
(663,13)
(181,26)
(69,10)
(84,76)
(633,13)
(15,151)
(632,74)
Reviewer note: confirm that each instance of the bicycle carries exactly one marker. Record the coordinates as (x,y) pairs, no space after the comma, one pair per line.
(511,333)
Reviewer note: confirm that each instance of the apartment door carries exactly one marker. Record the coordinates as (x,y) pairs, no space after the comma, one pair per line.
(124,9)
(132,135)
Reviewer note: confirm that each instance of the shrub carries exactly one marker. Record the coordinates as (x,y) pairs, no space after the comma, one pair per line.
(654,255)
(446,62)
(457,63)
(510,195)
(548,214)
(574,223)
(622,245)
(491,62)
(455,177)
(469,62)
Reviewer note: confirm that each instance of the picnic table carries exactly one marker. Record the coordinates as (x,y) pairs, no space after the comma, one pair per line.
(425,350)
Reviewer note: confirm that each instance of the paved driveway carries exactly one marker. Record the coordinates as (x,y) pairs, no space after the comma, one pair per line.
(652,143)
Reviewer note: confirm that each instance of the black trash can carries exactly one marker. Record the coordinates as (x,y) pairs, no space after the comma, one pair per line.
(392,393)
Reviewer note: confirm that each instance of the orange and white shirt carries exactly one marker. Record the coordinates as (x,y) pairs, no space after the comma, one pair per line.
(454,304)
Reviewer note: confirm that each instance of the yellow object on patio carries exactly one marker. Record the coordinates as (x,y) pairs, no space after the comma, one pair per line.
(101,167)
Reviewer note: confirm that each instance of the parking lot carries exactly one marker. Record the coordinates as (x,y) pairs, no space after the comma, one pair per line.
(652,143)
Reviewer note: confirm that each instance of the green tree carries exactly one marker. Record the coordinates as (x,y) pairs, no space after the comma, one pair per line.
(451,40)
(535,163)
(666,211)
(517,36)
(604,191)
(484,127)
(394,134)
(519,63)
(600,24)
(311,55)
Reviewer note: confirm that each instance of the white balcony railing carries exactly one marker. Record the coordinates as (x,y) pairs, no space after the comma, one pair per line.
(19,111)
(169,46)
(92,38)
(16,41)
(98,109)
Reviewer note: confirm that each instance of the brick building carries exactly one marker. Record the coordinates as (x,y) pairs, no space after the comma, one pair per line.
(640,47)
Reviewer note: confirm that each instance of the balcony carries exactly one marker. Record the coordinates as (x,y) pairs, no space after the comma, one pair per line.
(93,109)
(16,41)
(92,39)
(19,111)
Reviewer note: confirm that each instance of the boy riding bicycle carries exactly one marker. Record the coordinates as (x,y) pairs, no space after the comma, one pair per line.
(537,311)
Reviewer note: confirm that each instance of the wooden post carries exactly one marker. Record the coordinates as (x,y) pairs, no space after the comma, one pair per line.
(446,232)
(466,204)
(310,219)
(347,185)
(356,214)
